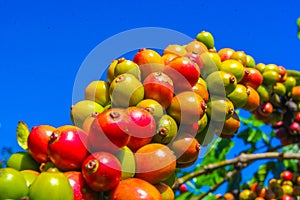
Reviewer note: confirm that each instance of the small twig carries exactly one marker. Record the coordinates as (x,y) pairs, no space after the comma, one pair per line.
(242,158)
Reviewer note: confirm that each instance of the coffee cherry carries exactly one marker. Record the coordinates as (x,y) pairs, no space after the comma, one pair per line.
(154,163)
(206,38)
(109,131)
(101,171)
(67,147)
(183,72)
(175,49)
(252,77)
(286,175)
(196,47)
(234,67)
(37,142)
(183,188)
(225,53)
(149,61)
(239,56)
(159,87)
(265,109)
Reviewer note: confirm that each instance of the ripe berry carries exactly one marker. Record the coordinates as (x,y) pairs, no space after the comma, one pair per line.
(297,117)
(225,53)
(159,86)
(109,131)
(183,188)
(265,109)
(135,189)
(67,147)
(80,188)
(183,72)
(149,61)
(294,128)
(141,128)
(101,171)
(186,149)
(154,163)
(286,175)
(38,142)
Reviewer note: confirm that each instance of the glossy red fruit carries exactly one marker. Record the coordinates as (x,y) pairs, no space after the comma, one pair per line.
(297,117)
(80,188)
(294,128)
(252,77)
(183,72)
(109,132)
(67,147)
(135,189)
(183,188)
(141,129)
(154,163)
(38,142)
(286,175)
(287,197)
(101,171)
(265,109)
(149,61)
(186,149)
(159,86)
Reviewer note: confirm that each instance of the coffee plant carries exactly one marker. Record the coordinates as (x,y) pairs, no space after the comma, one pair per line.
(175,124)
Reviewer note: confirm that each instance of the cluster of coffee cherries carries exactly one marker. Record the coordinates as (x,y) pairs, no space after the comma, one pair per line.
(150,116)
(279,101)
(286,187)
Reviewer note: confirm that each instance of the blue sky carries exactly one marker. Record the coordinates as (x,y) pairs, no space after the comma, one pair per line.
(42,44)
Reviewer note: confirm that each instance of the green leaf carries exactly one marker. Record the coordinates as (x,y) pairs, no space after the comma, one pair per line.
(266,138)
(210,196)
(22,134)
(252,122)
(254,135)
(184,196)
(257,123)
(244,135)
(261,174)
(216,154)
(291,164)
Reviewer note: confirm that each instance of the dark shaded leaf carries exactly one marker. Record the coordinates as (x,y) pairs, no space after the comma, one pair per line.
(234,182)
